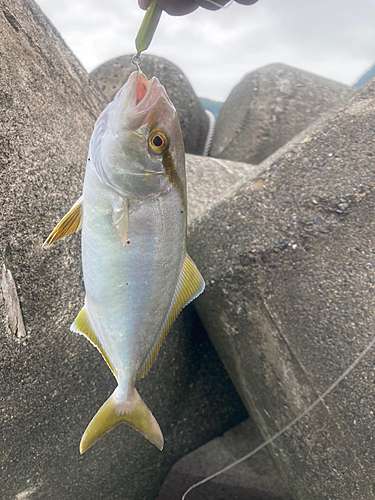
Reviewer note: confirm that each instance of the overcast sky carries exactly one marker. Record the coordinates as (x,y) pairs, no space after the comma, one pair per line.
(332,38)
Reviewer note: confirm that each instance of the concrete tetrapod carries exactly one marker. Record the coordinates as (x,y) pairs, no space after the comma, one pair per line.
(268,107)
(290,270)
(257,479)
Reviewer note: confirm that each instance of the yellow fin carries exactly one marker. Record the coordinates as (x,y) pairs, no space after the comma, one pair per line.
(82,326)
(114,411)
(190,284)
(70,223)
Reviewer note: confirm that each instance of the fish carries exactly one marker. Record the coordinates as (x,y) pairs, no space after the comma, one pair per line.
(137,273)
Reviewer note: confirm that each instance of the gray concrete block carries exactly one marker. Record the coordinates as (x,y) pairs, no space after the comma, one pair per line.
(111,76)
(290,270)
(253,479)
(268,107)
(210,180)
(52,381)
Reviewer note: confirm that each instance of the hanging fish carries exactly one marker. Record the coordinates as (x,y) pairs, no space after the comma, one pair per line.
(136,270)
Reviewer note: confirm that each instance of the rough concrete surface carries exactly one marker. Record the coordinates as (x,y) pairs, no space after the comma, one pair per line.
(52,381)
(268,107)
(290,270)
(253,479)
(111,76)
(210,180)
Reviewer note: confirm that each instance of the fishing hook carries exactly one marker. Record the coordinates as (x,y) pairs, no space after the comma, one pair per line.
(137,61)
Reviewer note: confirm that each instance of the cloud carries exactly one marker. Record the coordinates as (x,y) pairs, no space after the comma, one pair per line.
(215,49)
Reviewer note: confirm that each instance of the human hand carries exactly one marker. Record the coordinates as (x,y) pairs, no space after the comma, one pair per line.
(182,7)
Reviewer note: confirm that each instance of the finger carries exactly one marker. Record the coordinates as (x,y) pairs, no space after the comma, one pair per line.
(144,4)
(177,7)
(246,2)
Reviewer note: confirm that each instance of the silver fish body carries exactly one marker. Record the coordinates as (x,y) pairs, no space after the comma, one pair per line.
(137,273)
(130,286)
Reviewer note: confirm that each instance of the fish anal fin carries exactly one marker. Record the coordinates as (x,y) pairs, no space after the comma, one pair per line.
(113,412)
(70,223)
(190,285)
(82,326)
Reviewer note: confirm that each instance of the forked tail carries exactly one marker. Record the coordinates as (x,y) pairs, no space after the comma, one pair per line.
(115,411)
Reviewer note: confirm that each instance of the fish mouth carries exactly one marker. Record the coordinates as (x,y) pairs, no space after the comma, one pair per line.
(142,87)
(143,101)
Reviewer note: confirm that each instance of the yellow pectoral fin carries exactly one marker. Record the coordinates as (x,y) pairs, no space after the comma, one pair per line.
(190,284)
(82,326)
(134,413)
(71,223)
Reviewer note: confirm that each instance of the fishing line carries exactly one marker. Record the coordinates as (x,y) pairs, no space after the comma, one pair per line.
(210,133)
(287,427)
(219,5)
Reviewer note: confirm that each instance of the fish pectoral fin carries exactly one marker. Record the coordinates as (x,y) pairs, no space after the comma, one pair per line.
(114,411)
(121,220)
(82,326)
(190,284)
(70,223)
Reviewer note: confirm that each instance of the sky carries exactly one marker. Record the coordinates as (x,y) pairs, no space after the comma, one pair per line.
(332,38)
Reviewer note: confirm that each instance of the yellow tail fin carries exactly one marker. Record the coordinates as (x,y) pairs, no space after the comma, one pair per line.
(134,413)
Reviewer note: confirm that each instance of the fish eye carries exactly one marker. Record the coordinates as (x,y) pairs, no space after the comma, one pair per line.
(158,141)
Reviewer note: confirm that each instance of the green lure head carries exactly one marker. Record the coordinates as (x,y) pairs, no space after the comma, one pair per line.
(148,27)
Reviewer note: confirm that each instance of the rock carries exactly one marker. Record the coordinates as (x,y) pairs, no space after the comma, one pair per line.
(52,381)
(111,76)
(268,107)
(252,479)
(289,303)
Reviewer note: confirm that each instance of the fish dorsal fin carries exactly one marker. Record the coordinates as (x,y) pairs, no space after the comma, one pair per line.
(190,285)
(70,223)
(82,326)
